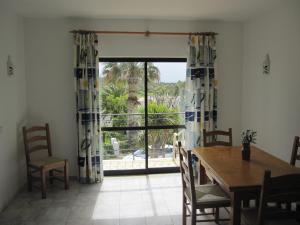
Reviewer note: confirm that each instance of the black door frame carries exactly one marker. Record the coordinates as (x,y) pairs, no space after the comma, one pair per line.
(146,170)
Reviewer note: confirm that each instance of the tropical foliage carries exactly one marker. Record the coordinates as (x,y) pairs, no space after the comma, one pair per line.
(130,75)
(122,96)
(114,101)
(159,114)
(167,93)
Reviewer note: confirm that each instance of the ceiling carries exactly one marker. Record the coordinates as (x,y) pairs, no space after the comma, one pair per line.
(225,10)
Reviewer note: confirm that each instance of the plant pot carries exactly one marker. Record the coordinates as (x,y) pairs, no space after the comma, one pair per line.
(246,151)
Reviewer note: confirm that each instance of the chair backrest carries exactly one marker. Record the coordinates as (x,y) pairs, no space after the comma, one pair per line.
(36,138)
(295,155)
(210,138)
(179,137)
(187,176)
(284,189)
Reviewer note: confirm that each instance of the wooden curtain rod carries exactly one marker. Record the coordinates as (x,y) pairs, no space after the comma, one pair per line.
(146,33)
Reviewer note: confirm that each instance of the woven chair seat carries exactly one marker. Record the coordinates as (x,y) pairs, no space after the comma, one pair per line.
(44,162)
(211,195)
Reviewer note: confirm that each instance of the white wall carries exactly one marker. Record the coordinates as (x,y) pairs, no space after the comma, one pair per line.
(49,68)
(12,106)
(271,103)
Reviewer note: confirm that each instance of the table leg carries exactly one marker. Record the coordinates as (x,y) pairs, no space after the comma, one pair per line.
(235,215)
(298,210)
(201,174)
(201,179)
(246,203)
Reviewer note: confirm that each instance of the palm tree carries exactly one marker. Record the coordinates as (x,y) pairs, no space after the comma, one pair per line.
(153,74)
(160,137)
(131,75)
(112,73)
(114,101)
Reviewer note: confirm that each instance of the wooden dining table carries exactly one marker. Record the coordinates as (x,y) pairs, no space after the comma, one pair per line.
(239,178)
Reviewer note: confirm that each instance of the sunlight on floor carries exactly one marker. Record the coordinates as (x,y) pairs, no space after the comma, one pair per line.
(139,197)
(120,200)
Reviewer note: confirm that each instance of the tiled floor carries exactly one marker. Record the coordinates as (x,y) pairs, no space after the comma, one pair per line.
(125,200)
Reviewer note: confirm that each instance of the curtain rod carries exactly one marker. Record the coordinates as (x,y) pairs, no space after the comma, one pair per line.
(146,33)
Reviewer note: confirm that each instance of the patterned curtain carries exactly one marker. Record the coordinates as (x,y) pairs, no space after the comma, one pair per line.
(201,89)
(87,103)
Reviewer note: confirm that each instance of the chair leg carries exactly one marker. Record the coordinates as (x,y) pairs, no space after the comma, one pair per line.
(298,210)
(297,207)
(51,176)
(288,206)
(183,210)
(43,183)
(66,174)
(257,202)
(278,205)
(217,215)
(29,179)
(193,215)
(246,203)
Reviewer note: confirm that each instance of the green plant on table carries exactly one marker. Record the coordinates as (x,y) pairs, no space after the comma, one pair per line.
(249,136)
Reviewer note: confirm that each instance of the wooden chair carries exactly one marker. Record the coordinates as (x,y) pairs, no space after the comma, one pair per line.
(294,158)
(199,197)
(178,138)
(275,189)
(37,138)
(210,138)
(295,155)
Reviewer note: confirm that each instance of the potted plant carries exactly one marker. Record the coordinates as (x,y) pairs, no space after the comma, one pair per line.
(248,136)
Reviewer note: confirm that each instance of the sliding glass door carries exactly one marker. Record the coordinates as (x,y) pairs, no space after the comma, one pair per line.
(142,109)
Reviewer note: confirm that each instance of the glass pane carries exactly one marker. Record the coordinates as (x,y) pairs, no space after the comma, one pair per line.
(166,83)
(120,154)
(162,150)
(122,94)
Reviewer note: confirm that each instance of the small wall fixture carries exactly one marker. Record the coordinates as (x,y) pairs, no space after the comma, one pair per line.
(10,66)
(266,64)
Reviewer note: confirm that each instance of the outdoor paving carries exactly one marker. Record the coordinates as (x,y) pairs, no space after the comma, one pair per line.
(121,164)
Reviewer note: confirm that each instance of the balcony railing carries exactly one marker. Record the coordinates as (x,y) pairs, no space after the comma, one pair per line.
(124,139)
(138,119)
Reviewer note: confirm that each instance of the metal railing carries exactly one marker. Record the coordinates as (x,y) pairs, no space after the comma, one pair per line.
(138,154)
(122,119)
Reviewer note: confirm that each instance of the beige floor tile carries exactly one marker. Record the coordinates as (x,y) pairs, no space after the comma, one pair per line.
(52,222)
(122,200)
(133,221)
(9,215)
(159,220)
(55,213)
(106,222)
(81,212)
(25,223)
(31,213)
(80,222)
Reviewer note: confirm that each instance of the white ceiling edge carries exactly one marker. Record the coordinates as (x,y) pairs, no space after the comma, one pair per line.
(246,10)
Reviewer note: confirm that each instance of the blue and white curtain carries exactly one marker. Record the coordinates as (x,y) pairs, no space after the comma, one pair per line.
(201,89)
(87,102)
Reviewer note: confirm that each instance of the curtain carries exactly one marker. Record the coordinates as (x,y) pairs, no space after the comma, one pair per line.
(87,107)
(201,89)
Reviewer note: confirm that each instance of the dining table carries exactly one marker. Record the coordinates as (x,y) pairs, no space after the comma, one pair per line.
(239,178)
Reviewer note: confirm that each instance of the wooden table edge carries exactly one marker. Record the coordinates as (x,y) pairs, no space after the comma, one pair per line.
(220,181)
